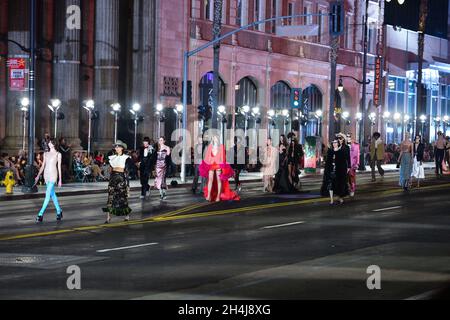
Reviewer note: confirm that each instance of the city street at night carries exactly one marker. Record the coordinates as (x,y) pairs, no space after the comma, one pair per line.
(265,247)
(175,154)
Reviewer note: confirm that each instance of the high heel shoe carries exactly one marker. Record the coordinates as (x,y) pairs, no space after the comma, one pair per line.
(39,219)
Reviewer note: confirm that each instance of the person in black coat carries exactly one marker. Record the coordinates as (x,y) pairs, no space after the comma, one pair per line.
(147,158)
(418,171)
(335,182)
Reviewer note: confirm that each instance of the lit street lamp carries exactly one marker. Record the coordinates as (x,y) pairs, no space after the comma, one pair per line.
(89,105)
(270,122)
(372,118)
(135,109)
(179,111)
(54,106)
(244,111)
(116,107)
(423,119)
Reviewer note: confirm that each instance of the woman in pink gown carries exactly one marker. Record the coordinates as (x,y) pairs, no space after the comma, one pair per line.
(218,172)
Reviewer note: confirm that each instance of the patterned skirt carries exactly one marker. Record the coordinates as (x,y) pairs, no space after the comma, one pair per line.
(405,169)
(118,195)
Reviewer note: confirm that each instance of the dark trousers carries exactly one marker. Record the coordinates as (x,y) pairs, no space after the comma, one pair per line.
(197,177)
(439,157)
(376,162)
(145,175)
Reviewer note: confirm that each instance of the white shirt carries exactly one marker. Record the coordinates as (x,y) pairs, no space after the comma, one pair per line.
(118,161)
(377,143)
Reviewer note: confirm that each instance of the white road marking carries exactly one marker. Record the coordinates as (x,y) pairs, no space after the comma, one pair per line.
(284,225)
(387,209)
(126,248)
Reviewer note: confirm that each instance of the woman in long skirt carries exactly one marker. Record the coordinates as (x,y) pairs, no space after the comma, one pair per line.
(335,181)
(118,185)
(418,171)
(51,167)
(161,167)
(406,163)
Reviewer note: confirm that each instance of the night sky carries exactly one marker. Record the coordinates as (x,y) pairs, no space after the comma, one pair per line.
(407,16)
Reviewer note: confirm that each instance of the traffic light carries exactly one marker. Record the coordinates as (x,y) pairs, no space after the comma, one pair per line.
(296,98)
(189,93)
(337,18)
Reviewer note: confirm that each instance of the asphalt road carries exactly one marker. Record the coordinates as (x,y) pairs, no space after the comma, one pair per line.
(264,247)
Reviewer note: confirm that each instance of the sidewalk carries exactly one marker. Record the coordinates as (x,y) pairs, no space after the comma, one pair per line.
(74,189)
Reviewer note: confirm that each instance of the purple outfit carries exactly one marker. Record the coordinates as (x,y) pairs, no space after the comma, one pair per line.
(161,169)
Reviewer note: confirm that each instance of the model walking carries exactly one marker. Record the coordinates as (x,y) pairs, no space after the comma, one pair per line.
(218,172)
(406,162)
(118,184)
(354,163)
(147,156)
(270,165)
(418,171)
(335,182)
(51,167)
(163,153)
(376,155)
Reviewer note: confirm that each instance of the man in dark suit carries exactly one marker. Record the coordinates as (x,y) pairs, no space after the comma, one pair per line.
(147,157)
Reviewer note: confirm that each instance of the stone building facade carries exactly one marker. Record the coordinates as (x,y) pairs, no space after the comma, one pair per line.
(130,51)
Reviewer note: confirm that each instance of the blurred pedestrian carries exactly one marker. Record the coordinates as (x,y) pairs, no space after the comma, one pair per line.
(269,165)
(376,155)
(439,152)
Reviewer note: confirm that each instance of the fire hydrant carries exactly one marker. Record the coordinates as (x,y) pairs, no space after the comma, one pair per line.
(9,182)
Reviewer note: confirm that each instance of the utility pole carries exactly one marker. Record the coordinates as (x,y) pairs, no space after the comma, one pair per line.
(421,44)
(217,28)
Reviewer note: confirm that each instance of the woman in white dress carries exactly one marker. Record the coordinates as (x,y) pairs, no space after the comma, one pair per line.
(51,167)
(418,171)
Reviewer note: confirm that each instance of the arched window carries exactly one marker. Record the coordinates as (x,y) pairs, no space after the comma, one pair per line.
(280,97)
(246,95)
(312,101)
(206,87)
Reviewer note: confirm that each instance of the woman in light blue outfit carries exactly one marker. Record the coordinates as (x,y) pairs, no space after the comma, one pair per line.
(51,167)
(406,162)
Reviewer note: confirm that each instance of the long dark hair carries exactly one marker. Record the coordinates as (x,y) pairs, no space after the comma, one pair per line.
(53,141)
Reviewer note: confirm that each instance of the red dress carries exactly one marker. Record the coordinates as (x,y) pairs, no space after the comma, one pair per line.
(214,163)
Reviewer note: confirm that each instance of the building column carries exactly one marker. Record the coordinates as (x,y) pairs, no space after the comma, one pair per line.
(66,74)
(18,30)
(3,70)
(106,87)
(143,63)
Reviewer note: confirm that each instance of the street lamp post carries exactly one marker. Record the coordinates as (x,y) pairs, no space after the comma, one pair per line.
(135,109)
(179,111)
(160,115)
(116,107)
(319,115)
(386,119)
(89,106)
(406,119)
(54,106)
(397,119)
(373,119)
(244,111)
(24,105)
(285,114)
(223,114)
(270,121)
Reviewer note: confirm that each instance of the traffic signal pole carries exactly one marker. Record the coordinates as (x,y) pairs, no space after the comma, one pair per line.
(189,54)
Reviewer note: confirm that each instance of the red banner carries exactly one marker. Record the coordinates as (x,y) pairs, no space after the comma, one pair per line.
(378,82)
(17,79)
